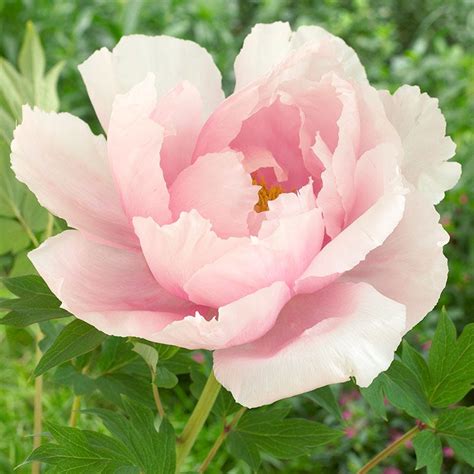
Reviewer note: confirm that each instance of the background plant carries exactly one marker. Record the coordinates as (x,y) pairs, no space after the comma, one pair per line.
(428,43)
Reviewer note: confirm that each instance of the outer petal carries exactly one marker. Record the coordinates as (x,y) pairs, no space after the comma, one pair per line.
(268,44)
(176,251)
(217,186)
(110,288)
(172,60)
(342,331)
(134,144)
(238,322)
(422,128)
(410,266)
(65,165)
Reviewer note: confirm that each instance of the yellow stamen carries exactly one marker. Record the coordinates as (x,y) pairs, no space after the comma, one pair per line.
(265,194)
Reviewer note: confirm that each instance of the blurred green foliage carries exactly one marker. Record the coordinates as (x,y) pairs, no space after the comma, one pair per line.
(424,42)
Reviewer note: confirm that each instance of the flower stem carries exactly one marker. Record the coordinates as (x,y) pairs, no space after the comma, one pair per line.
(37,408)
(156,396)
(218,443)
(389,450)
(197,420)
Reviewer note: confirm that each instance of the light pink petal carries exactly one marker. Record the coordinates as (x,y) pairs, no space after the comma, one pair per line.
(172,60)
(281,252)
(351,246)
(110,288)
(238,322)
(267,45)
(422,128)
(410,266)
(345,330)
(217,186)
(65,165)
(134,145)
(180,113)
(174,252)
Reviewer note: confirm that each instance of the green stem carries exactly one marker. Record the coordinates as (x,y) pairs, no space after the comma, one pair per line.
(389,450)
(218,443)
(196,420)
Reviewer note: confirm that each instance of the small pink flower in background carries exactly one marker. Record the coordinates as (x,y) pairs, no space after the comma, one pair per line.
(463,199)
(290,228)
(346,415)
(392,470)
(426,345)
(350,432)
(198,357)
(448,452)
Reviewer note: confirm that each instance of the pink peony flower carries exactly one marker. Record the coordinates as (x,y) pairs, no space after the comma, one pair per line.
(290,228)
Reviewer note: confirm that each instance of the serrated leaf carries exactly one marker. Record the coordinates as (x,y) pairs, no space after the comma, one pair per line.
(403,389)
(10,93)
(12,236)
(374,396)
(153,451)
(281,438)
(75,339)
(82,451)
(457,426)
(415,362)
(451,363)
(325,398)
(48,96)
(428,452)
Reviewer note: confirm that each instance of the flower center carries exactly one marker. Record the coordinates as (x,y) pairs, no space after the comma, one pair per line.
(265,194)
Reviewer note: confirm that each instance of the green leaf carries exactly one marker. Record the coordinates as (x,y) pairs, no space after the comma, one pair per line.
(415,362)
(282,438)
(153,451)
(325,398)
(82,451)
(29,285)
(10,92)
(403,389)
(451,363)
(374,396)
(75,339)
(32,61)
(12,237)
(457,426)
(148,353)
(428,451)
(48,99)
(165,378)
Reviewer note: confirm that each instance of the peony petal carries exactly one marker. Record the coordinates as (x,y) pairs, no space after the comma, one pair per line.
(267,45)
(422,128)
(415,246)
(172,60)
(65,165)
(217,186)
(110,288)
(176,251)
(342,331)
(281,252)
(134,144)
(179,112)
(238,322)
(351,246)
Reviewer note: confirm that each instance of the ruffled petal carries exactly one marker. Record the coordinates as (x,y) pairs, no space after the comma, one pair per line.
(267,45)
(281,251)
(238,322)
(345,330)
(415,246)
(65,165)
(174,252)
(219,188)
(422,128)
(112,289)
(172,60)
(134,144)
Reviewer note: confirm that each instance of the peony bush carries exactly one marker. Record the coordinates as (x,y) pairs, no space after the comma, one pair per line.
(290,228)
